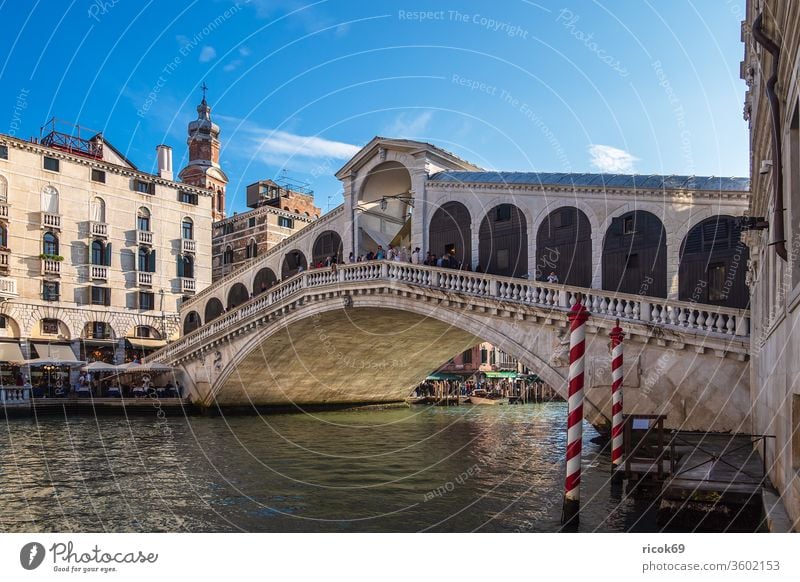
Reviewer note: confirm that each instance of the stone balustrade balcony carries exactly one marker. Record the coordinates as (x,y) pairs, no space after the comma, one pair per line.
(51,267)
(4,210)
(188,285)
(144,237)
(51,220)
(144,279)
(98,272)
(8,288)
(98,229)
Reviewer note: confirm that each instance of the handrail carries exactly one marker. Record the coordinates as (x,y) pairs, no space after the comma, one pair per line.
(697,318)
(263,258)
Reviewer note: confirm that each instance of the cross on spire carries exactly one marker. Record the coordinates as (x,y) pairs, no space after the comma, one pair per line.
(204,88)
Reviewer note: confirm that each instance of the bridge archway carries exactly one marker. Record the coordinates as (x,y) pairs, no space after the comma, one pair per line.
(713,263)
(564,246)
(384,203)
(264,279)
(191,322)
(503,242)
(237,295)
(213,310)
(450,230)
(327,244)
(635,255)
(293,262)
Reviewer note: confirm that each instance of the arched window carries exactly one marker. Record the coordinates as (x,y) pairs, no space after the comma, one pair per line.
(187,228)
(252,249)
(3,236)
(98,209)
(147,260)
(227,256)
(98,254)
(50,244)
(50,199)
(143,219)
(3,190)
(192,322)
(186,266)
(220,201)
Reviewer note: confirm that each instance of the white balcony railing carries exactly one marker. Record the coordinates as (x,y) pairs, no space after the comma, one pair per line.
(5,256)
(188,246)
(144,237)
(51,220)
(8,287)
(99,229)
(188,285)
(98,272)
(4,210)
(144,279)
(51,267)
(15,395)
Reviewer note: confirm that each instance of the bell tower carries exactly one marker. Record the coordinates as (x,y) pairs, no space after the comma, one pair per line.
(203,168)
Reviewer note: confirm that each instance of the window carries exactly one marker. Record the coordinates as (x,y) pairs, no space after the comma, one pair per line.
(98,176)
(185,267)
(51,164)
(142,331)
(50,290)
(143,186)
(187,197)
(187,229)
(227,256)
(251,222)
(146,260)
(143,219)
(252,249)
(50,244)
(50,326)
(98,253)
(503,213)
(285,222)
(3,236)
(147,301)
(493,357)
(2,322)
(101,296)
(3,152)
(49,199)
(99,330)
(228,229)
(484,356)
(466,357)
(98,209)
(716,282)
(220,201)
(628,225)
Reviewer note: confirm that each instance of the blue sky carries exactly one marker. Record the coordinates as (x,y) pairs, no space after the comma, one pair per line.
(619,86)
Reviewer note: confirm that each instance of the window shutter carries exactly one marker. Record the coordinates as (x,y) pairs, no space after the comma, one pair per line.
(152,261)
(108,254)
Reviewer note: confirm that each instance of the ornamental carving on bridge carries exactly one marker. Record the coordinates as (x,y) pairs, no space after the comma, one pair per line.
(560,356)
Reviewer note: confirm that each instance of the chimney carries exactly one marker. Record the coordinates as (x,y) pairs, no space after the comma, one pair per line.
(164,161)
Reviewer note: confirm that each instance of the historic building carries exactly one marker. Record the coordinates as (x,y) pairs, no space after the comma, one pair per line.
(95,254)
(278,212)
(771,34)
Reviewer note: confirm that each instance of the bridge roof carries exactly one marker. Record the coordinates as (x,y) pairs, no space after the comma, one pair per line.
(636,181)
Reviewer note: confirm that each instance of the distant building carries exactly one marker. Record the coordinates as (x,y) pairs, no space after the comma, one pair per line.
(278,212)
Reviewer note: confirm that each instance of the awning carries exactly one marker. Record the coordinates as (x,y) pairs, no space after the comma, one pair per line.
(10,352)
(146,343)
(55,352)
(501,374)
(443,376)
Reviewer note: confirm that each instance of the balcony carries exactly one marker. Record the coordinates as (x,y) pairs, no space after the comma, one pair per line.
(144,237)
(98,273)
(144,279)
(51,267)
(98,229)
(8,288)
(188,285)
(50,220)
(5,257)
(4,210)
(188,246)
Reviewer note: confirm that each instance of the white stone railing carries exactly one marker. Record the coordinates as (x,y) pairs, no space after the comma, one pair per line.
(51,267)
(8,287)
(188,285)
(51,220)
(680,315)
(144,237)
(144,279)
(263,258)
(5,257)
(99,229)
(14,395)
(98,272)
(188,246)
(4,210)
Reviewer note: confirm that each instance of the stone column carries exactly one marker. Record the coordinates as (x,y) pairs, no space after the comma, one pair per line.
(673,249)
(597,259)
(475,241)
(420,212)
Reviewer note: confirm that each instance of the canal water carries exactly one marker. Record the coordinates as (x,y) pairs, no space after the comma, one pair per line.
(466,468)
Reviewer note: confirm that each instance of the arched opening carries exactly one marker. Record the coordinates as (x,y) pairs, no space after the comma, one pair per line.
(264,279)
(191,322)
(328,244)
(98,252)
(49,199)
(450,233)
(503,242)
(635,255)
(251,250)
(227,255)
(186,266)
(564,247)
(3,236)
(98,209)
(143,219)
(385,208)
(213,310)
(99,330)
(293,263)
(237,295)
(713,263)
(220,201)
(50,244)
(187,229)
(3,190)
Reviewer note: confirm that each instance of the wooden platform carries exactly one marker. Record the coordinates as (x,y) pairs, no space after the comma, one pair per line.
(97,406)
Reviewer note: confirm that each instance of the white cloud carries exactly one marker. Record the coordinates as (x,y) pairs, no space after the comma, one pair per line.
(407,125)
(244,51)
(207,53)
(612,160)
(232,66)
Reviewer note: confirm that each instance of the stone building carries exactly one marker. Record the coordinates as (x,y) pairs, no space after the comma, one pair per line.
(95,254)
(771,33)
(278,212)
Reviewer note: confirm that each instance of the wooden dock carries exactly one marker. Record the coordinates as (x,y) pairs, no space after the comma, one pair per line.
(97,406)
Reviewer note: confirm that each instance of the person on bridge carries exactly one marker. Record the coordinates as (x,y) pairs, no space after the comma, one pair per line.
(379,254)
(552,277)
(415,259)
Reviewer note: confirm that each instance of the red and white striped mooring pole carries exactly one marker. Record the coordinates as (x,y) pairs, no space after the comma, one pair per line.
(577,350)
(617,335)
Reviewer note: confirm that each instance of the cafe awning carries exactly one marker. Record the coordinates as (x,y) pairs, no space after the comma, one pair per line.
(10,352)
(443,376)
(501,374)
(56,354)
(146,343)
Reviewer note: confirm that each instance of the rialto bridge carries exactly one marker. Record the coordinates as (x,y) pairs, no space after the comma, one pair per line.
(662,254)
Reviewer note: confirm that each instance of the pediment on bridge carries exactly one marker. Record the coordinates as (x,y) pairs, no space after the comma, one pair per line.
(379,146)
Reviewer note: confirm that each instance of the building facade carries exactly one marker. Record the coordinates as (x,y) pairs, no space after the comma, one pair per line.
(771,33)
(95,254)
